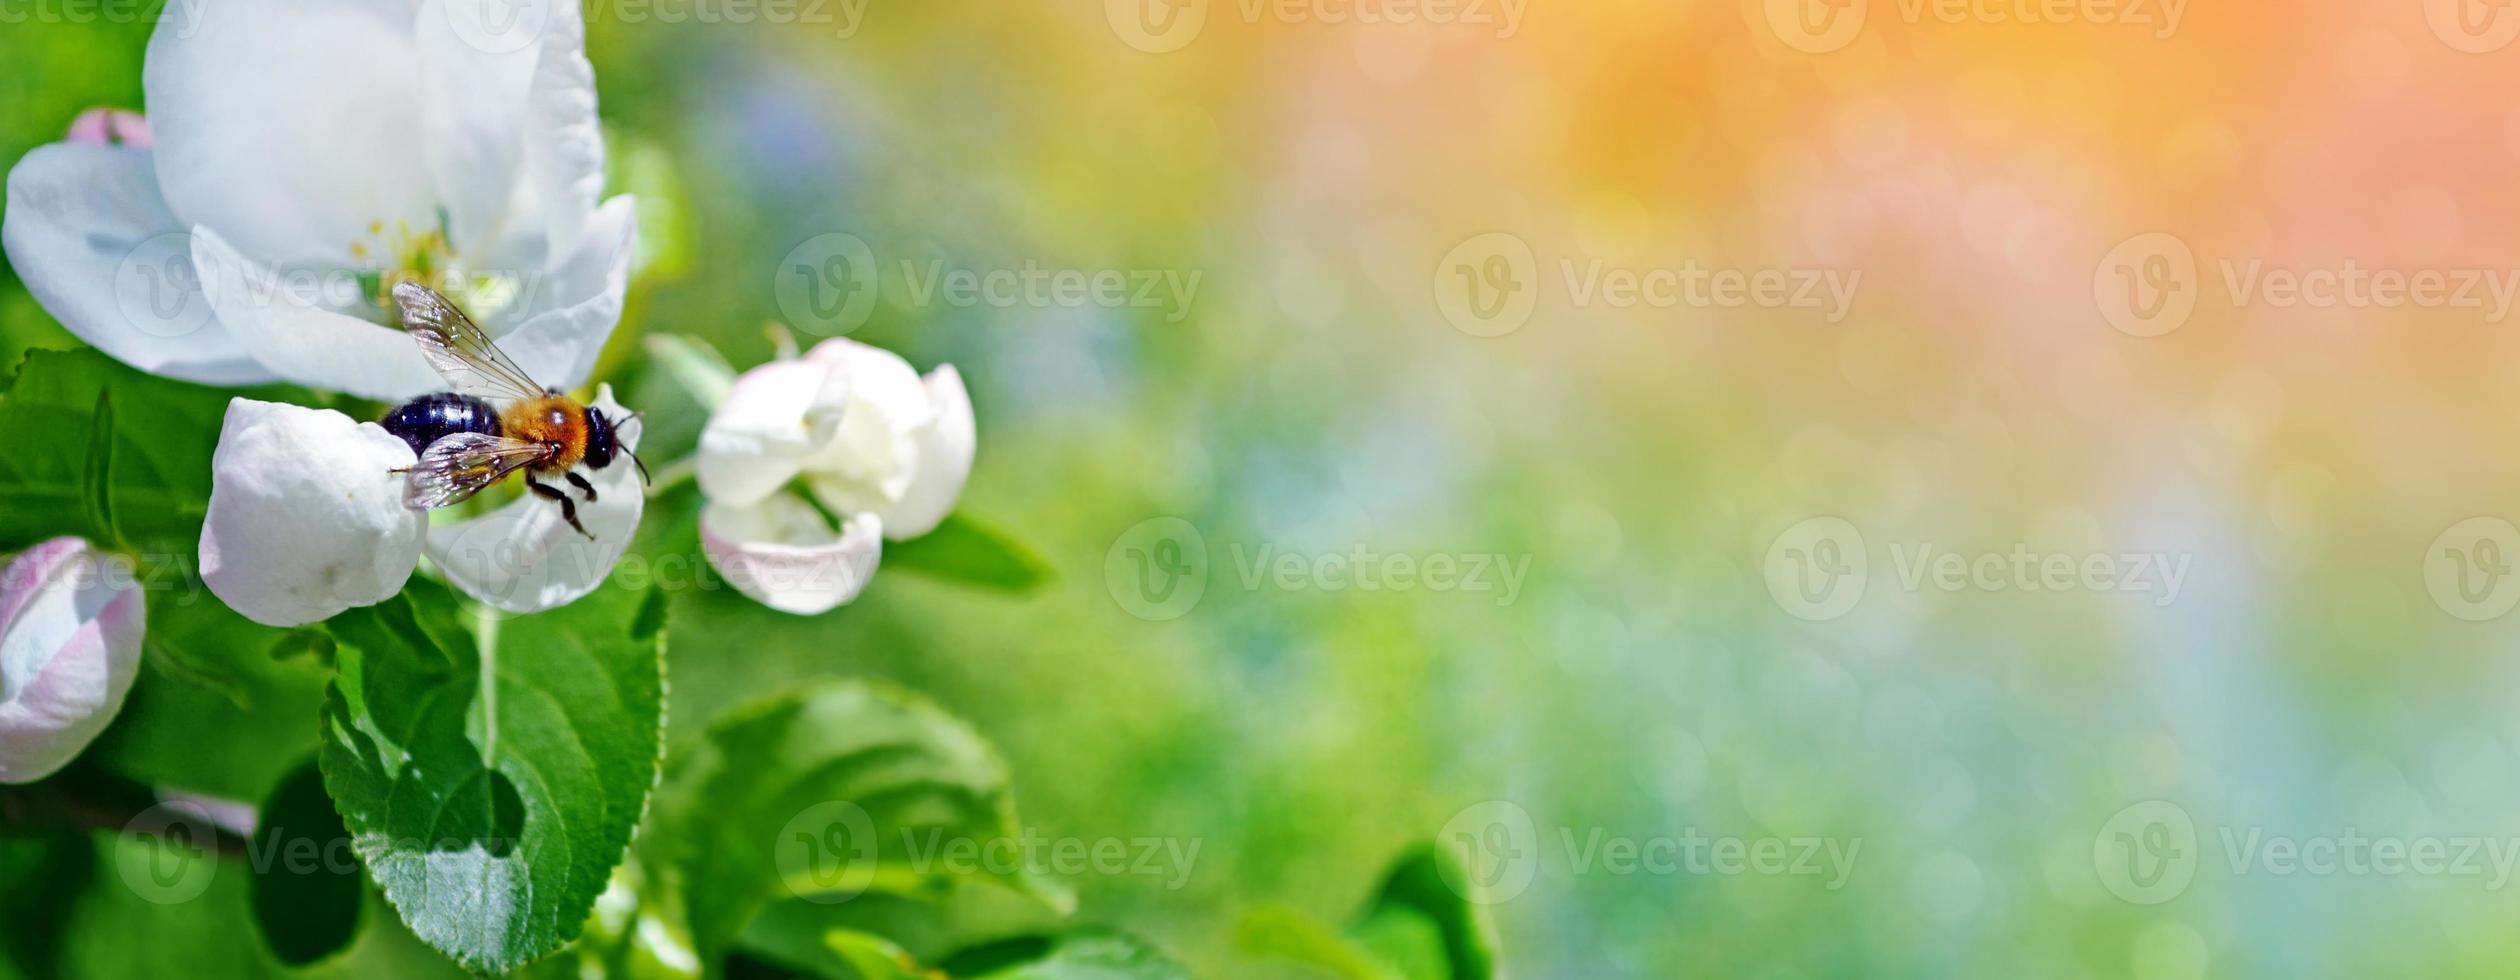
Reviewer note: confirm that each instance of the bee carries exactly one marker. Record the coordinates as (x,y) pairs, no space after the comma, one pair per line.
(494,422)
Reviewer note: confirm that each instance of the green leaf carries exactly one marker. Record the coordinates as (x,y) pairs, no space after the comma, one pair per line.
(1419,904)
(1289,934)
(306,883)
(637,932)
(100,469)
(838,790)
(491,785)
(966,550)
(871,957)
(1417,927)
(115,929)
(37,873)
(144,471)
(1079,954)
(205,669)
(1084,954)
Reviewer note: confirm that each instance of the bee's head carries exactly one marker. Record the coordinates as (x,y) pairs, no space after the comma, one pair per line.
(600,444)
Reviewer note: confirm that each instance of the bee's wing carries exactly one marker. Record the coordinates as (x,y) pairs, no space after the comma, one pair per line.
(457,348)
(458,466)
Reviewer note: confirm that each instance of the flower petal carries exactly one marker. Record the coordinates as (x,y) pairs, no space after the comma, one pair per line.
(474,117)
(284,320)
(102,125)
(571,309)
(524,558)
(563,175)
(85,228)
(783,554)
(869,464)
(945,448)
(773,417)
(71,626)
(306,514)
(288,126)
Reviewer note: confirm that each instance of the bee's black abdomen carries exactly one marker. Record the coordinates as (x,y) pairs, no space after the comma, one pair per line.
(429,418)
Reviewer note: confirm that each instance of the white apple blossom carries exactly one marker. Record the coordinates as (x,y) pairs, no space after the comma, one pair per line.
(297,158)
(872,441)
(70,630)
(307,519)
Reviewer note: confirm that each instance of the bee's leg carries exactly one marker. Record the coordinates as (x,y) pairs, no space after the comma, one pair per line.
(568,507)
(583,487)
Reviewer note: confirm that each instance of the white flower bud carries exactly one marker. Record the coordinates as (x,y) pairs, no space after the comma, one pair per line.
(306,514)
(874,442)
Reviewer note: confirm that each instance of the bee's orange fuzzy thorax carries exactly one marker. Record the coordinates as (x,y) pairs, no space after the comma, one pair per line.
(556,422)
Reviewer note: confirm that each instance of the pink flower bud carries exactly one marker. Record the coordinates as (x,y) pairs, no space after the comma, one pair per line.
(71,621)
(102,125)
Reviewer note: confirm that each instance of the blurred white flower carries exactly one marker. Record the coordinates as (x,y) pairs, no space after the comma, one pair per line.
(875,444)
(70,631)
(297,158)
(307,519)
